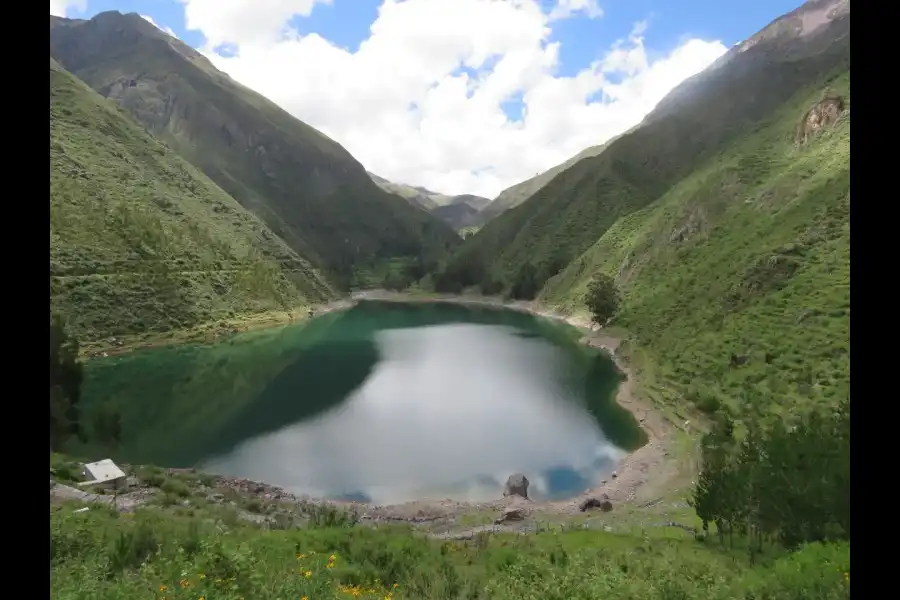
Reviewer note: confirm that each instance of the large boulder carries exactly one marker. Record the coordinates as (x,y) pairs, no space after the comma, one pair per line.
(516,485)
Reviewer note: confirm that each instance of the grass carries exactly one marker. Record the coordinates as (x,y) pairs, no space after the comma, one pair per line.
(141,242)
(166,552)
(749,256)
(307,189)
(528,244)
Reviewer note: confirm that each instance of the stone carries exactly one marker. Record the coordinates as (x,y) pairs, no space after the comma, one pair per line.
(601,502)
(516,485)
(511,514)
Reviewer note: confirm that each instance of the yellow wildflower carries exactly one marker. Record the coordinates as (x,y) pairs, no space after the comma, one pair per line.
(162,588)
(332,557)
(308,574)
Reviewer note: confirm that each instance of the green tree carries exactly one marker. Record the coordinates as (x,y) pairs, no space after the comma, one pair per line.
(786,480)
(525,285)
(66,376)
(602,298)
(107,427)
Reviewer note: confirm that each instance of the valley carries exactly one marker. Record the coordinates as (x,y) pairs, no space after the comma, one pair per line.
(627,376)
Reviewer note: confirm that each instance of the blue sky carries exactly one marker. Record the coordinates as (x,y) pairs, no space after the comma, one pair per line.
(447,145)
(346,22)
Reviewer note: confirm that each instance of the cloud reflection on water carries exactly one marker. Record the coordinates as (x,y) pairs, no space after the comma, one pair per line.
(448,411)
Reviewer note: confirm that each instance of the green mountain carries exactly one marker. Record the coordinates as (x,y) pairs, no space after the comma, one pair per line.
(457,211)
(141,241)
(517,194)
(307,188)
(416,196)
(724,218)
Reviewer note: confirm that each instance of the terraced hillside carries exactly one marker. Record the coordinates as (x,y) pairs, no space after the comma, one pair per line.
(141,241)
(724,218)
(307,188)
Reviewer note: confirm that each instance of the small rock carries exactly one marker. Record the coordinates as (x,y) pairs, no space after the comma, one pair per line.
(511,514)
(614,474)
(602,482)
(516,485)
(602,503)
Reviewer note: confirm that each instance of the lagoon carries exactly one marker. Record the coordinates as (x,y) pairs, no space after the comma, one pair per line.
(384,402)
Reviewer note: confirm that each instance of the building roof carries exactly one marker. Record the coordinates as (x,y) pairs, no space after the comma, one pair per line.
(103,470)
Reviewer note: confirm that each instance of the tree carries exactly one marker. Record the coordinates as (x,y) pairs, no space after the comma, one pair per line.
(66,376)
(525,285)
(107,427)
(786,480)
(602,298)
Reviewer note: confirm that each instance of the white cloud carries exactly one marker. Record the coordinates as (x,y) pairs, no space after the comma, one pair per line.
(244,21)
(168,30)
(402,105)
(60,8)
(568,8)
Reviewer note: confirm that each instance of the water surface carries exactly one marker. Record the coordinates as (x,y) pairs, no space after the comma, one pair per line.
(384,402)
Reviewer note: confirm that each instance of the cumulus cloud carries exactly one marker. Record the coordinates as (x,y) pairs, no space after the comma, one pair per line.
(150,20)
(244,21)
(60,8)
(421,100)
(567,8)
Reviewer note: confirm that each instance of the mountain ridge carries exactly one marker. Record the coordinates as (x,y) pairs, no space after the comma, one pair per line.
(141,242)
(537,238)
(758,143)
(306,187)
(457,211)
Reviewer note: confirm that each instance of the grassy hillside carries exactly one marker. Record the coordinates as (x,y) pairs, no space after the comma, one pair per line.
(308,189)
(748,257)
(196,539)
(517,194)
(416,196)
(457,211)
(520,250)
(140,241)
(457,215)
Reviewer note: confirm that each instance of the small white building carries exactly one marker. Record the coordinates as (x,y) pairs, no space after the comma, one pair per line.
(104,472)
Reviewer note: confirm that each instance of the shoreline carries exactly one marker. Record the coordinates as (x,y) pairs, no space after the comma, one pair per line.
(640,476)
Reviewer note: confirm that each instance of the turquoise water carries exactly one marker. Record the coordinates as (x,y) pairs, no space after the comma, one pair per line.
(383,402)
